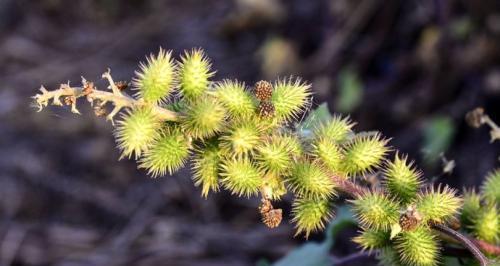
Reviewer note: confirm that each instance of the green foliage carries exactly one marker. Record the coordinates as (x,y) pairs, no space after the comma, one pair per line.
(389,256)
(318,254)
(491,187)
(194,73)
(167,153)
(376,210)
(156,79)
(438,134)
(401,179)
(439,204)
(136,131)
(350,91)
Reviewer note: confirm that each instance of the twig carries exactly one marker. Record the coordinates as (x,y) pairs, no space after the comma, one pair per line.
(477,117)
(349,188)
(119,99)
(465,241)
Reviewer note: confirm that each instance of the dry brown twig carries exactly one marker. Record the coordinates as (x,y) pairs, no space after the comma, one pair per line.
(478,117)
(116,97)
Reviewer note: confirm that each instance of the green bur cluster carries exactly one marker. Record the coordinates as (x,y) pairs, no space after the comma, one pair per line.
(232,146)
(480,215)
(257,145)
(396,219)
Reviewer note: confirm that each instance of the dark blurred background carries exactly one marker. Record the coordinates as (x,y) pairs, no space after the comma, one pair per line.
(411,69)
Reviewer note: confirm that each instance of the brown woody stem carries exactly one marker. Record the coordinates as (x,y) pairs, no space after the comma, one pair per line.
(118,99)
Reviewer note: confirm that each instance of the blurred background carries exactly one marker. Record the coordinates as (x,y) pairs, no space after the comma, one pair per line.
(411,69)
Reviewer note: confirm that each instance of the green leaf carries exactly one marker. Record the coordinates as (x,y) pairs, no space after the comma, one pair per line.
(438,135)
(318,254)
(350,91)
(310,254)
(316,118)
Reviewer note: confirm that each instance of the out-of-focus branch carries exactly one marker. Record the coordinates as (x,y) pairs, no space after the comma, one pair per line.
(97,98)
(477,118)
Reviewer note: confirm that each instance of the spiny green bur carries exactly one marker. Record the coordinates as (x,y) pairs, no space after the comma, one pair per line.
(178,115)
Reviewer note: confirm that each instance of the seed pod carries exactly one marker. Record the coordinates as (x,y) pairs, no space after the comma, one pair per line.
(310,215)
(194,73)
(136,130)
(266,109)
(375,210)
(156,78)
(417,247)
(370,239)
(438,205)
(263,90)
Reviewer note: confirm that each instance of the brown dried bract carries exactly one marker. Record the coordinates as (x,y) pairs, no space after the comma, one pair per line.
(122,85)
(263,90)
(270,217)
(88,87)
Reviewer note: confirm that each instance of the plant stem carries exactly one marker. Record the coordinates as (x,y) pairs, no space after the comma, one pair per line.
(465,241)
(119,99)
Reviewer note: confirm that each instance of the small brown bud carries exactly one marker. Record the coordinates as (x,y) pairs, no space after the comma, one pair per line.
(273,218)
(410,219)
(122,85)
(270,217)
(475,117)
(263,90)
(266,109)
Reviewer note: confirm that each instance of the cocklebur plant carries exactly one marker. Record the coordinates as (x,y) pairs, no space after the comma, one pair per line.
(249,140)
(480,215)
